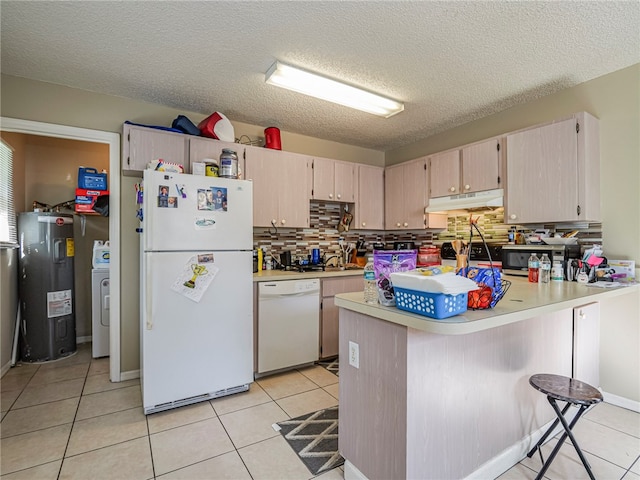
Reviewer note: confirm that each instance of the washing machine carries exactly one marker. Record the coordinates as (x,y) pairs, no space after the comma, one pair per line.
(100,312)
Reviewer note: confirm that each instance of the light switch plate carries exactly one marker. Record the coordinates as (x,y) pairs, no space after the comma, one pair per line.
(354,354)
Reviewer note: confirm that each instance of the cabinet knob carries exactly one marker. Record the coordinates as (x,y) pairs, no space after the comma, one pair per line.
(398,224)
(273,222)
(582,315)
(467,187)
(513,216)
(452,189)
(331,195)
(339,196)
(283,221)
(405,224)
(364,224)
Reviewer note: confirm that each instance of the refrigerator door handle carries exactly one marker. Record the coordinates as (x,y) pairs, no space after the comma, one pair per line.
(147,304)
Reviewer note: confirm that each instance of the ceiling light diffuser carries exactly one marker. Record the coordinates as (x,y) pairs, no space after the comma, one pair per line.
(292,78)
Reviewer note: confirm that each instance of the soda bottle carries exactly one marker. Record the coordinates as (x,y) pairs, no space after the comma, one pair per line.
(545,269)
(370,288)
(534,268)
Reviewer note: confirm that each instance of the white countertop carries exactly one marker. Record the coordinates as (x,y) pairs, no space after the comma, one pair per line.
(274,275)
(523,300)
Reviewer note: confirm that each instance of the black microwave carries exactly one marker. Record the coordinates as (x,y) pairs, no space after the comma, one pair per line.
(515,258)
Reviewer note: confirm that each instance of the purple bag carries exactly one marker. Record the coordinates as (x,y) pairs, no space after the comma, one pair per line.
(386,262)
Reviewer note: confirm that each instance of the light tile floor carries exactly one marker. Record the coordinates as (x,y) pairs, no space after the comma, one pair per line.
(66,420)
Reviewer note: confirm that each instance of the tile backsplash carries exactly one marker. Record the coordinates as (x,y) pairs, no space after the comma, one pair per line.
(323,232)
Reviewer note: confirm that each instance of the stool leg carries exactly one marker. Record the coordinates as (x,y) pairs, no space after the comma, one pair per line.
(568,428)
(546,434)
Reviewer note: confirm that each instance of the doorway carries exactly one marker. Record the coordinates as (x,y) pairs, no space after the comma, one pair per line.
(113,142)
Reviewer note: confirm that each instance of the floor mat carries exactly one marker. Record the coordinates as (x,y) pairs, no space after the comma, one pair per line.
(314,437)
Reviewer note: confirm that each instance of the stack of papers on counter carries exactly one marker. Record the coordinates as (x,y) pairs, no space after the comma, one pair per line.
(447,283)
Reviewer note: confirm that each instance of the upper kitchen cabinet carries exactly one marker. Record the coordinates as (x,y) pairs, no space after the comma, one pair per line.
(141,145)
(201,149)
(482,166)
(280,187)
(406,198)
(474,168)
(553,172)
(333,180)
(369,213)
(444,169)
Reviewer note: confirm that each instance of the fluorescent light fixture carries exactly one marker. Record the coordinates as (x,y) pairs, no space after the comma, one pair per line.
(292,78)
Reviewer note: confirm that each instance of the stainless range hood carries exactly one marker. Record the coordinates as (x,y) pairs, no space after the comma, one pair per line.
(467,201)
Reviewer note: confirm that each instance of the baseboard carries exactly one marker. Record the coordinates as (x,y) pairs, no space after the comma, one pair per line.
(130,375)
(86,339)
(5,368)
(621,402)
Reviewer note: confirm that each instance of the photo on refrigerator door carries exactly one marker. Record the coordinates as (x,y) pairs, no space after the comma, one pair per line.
(196,277)
(205,199)
(219,199)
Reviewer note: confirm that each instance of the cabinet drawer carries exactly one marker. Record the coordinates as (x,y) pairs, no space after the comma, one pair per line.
(333,286)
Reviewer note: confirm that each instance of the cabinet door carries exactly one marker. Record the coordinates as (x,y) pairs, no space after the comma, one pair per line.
(481,166)
(370,198)
(444,174)
(394,197)
(586,344)
(323,179)
(142,145)
(415,189)
(344,181)
(293,189)
(262,168)
(329,332)
(329,326)
(542,172)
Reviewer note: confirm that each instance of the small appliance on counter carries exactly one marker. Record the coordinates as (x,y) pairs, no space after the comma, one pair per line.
(515,258)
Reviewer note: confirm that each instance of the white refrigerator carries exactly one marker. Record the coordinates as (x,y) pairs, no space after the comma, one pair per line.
(196,338)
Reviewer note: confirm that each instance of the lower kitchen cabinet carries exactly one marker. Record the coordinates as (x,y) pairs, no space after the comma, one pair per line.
(329,312)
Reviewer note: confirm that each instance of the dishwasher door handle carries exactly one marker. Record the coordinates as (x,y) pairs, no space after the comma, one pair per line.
(288,295)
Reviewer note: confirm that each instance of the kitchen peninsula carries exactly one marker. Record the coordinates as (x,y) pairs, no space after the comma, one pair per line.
(450,399)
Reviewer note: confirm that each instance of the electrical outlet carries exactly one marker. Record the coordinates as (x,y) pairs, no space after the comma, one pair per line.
(354,354)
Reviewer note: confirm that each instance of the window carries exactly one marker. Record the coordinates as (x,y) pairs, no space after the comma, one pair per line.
(8,235)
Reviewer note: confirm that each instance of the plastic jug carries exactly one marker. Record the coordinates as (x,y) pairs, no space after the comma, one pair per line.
(100,254)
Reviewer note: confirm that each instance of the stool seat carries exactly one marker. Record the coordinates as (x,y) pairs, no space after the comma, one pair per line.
(573,392)
(565,389)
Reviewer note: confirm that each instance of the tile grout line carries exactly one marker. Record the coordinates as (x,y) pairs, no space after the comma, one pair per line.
(66,447)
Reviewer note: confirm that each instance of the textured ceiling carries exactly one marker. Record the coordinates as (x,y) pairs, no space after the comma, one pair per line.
(450,62)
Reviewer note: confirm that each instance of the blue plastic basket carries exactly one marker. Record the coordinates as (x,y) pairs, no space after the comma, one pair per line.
(433,305)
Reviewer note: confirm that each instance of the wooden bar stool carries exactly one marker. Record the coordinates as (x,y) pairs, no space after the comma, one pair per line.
(574,392)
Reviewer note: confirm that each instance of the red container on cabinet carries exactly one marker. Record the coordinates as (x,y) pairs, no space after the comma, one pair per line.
(272,138)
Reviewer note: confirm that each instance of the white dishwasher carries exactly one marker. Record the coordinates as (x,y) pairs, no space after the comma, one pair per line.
(288,324)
